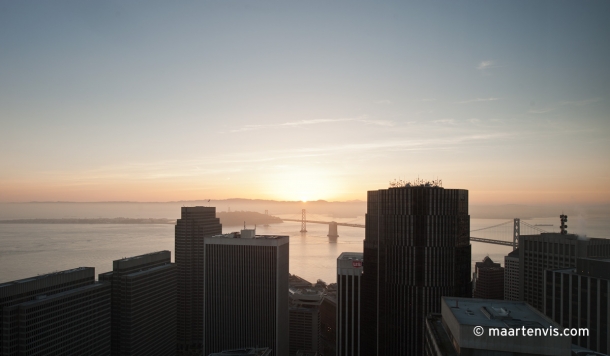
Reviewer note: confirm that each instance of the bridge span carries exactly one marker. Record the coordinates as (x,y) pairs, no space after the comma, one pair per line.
(511,227)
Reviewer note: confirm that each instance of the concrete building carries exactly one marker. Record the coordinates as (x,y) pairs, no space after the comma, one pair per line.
(245,302)
(194,224)
(578,298)
(488,280)
(349,281)
(416,250)
(511,276)
(549,251)
(304,315)
(454,331)
(61,313)
(143,305)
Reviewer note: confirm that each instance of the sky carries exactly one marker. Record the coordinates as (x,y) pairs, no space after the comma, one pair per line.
(287,100)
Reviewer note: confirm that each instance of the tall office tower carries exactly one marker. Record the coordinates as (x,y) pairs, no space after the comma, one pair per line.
(454,331)
(538,253)
(578,298)
(328,322)
(61,313)
(349,281)
(143,305)
(488,280)
(194,224)
(511,275)
(304,316)
(245,301)
(417,249)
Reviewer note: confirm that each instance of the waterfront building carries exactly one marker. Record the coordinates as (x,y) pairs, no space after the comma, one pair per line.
(416,250)
(463,328)
(488,280)
(65,313)
(143,305)
(549,251)
(245,301)
(578,298)
(194,225)
(511,275)
(349,281)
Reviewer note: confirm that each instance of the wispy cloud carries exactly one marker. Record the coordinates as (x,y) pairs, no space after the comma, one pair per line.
(477,100)
(313,122)
(384,101)
(580,102)
(426,99)
(540,111)
(445,121)
(485,65)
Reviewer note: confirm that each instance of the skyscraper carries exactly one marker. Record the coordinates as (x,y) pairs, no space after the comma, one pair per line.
(143,305)
(416,250)
(349,283)
(304,319)
(511,275)
(579,298)
(245,300)
(488,280)
(61,313)
(552,251)
(194,224)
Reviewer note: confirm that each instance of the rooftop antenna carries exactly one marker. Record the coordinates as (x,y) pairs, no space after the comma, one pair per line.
(563,218)
(244,225)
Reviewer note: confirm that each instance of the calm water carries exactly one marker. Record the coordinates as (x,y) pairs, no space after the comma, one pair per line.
(28,250)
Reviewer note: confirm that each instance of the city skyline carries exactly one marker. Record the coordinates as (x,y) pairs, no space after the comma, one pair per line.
(304,101)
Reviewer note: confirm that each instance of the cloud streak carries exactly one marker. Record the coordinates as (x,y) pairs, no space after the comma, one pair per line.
(313,122)
(477,100)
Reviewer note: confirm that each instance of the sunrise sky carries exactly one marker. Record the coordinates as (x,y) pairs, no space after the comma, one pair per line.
(286,100)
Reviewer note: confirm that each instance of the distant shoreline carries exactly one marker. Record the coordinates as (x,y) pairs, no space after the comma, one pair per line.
(90,221)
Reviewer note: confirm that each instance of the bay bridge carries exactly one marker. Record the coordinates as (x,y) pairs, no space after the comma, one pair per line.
(505,234)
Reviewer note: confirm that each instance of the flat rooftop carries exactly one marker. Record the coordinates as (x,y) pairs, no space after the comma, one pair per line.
(43,276)
(495,313)
(351,256)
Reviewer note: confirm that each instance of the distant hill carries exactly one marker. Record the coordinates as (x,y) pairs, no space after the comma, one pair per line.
(249,217)
(89,221)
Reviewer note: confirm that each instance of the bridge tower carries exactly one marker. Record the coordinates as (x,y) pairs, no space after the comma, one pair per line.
(516,233)
(303,221)
(332,230)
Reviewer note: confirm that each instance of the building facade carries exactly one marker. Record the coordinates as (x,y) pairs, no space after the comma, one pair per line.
(304,314)
(143,305)
(465,327)
(578,298)
(349,282)
(488,280)
(328,324)
(511,276)
(549,251)
(245,302)
(65,313)
(416,249)
(194,225)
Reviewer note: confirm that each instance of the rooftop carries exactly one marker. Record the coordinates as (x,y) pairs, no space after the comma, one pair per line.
(264,351)
(351,256)
(495,313)
(43,276)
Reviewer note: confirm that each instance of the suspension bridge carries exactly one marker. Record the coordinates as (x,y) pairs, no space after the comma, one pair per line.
(505,234)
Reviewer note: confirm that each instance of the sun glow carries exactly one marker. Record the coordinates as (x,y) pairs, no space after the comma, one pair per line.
(296,184)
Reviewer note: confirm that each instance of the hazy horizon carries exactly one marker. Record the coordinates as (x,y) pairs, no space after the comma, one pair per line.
(156,101)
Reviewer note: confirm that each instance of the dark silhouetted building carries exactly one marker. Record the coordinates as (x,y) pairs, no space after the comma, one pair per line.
(453,332)
(349,283)
(194,224)
(416,250)
(549,251)
(578,298)
(488,280)
(246,292)
(61,313)
(511,276)
(143,305)
(304,314)
(328,323)
(257,351)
